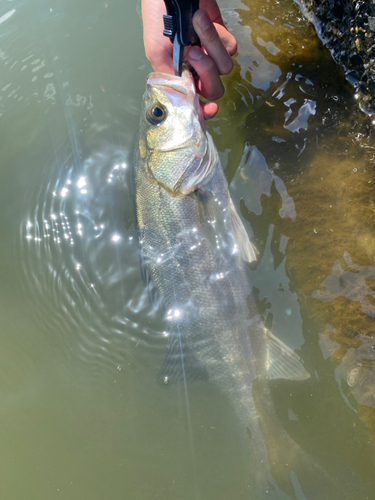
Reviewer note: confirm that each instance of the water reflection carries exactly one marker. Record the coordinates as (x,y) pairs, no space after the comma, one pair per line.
(80,247)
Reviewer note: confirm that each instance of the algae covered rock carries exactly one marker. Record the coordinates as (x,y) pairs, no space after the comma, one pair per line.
(347,28)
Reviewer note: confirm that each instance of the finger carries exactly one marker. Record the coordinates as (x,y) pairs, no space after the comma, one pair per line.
(209,109)
(161,60)
(227,39)
(213,10)
(210,40)
(158,48)
(209,83)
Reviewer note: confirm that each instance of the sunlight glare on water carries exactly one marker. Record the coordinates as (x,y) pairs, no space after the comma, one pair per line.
(84,413)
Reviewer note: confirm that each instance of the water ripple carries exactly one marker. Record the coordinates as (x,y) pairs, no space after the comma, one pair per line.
(79,254)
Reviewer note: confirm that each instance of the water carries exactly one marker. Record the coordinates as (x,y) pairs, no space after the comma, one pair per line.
(83,414)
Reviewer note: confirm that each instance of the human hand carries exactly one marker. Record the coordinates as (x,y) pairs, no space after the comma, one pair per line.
(210,61)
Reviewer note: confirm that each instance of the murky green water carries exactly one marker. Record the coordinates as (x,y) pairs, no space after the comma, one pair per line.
(82,413)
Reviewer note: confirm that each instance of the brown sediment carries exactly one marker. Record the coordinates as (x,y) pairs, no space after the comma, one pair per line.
(331,182)
(335,222)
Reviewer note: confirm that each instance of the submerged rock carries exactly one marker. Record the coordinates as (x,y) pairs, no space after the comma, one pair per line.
(347,28)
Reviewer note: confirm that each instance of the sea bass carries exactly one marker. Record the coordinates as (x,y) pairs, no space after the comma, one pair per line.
(194,251)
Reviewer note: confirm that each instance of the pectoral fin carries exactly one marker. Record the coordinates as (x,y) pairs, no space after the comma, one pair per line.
(219,228)
(281,361)
(244,246)
(200,169)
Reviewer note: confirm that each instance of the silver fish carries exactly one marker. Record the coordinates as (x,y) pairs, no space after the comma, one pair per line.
(194,250)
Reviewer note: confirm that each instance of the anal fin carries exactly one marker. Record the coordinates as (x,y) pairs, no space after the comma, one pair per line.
(282,361)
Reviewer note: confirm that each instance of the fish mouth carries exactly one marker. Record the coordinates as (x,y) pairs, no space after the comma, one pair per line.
(183,84)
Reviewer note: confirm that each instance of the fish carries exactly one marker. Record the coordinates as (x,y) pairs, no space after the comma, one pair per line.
(194,255)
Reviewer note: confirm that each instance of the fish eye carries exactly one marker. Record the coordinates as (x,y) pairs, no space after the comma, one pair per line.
(156,114)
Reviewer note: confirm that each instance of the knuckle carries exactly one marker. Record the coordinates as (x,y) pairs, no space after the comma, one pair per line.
(148,54)
(149,49)
(212,37)
(151,55)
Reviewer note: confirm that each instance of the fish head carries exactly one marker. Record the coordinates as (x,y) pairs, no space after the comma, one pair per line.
(173,131)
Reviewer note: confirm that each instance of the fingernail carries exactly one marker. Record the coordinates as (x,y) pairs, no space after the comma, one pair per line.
(195,54)
(203,20)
